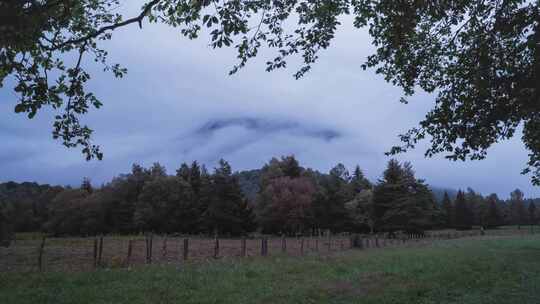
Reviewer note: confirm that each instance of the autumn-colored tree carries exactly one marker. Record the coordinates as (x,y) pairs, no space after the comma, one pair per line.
(285,205)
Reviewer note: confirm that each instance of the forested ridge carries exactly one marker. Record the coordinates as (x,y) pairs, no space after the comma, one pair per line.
(281,197)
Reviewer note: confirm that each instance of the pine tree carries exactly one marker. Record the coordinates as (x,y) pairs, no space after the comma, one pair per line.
(290,166)
(493,217)
(86,185)
(359,182)
(227,206)
(195,177)
(532,213)
(329,205)
(518,213)
(6,227)
(401,202)
(448,210)
(183,172)
(158,171)
(462,215)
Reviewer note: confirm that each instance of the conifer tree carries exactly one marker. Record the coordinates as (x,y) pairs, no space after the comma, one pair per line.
(494,217)
(6,228)
(227,211)
(401,201)
(359,182)
(448,210)
(518,213)
(329,206)
(532,213)
(183,172)
(86,185)
(463,218)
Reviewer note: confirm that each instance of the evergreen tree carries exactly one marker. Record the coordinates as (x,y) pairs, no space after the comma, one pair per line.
(494,217)
(448,210)
(184,172)
(227,211)
(86,185)
(158,171)
(359,182)
(6,227)
(463,215)
(518,213)
(329,205)
(401,201)
(290,166)
(532,213)
(195,177)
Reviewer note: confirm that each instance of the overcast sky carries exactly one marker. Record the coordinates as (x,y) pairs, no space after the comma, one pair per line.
(178,104)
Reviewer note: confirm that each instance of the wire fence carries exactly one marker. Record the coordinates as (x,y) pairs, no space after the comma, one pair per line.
(85,254)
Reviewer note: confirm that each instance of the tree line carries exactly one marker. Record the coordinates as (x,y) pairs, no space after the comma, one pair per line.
(280,198)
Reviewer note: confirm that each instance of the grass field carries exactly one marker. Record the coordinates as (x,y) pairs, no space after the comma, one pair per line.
(505,270)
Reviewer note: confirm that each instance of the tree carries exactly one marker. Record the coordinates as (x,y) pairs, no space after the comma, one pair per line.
(532,213)
(493,216)
(454,49)
(66,213)
(334,191)
(227,211)
(518,213)
(401,201)
(362,211)
(6,227)
(86,185)
(476,206)
(359,182)
(463,218)
(448,210)
(285,205)
(166,205)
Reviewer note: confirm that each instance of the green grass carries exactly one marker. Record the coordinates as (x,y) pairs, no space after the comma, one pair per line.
(458,271)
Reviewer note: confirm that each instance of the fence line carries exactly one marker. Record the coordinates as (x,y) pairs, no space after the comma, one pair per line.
(77,254)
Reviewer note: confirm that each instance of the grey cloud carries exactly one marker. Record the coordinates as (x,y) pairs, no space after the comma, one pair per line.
(178,104)
(267,126)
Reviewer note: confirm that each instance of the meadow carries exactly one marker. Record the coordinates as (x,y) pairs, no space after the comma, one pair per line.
(489,269)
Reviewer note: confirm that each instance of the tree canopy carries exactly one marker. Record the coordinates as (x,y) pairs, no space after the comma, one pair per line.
(480,59)
(290,199)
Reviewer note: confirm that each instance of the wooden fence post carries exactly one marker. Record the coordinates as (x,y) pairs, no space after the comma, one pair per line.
(317,243)
(149,245)
(263,247)
(129,251)
(301,246)
(100,252)
(329,241)
(283,244)
(185,249)
(164,248)
(244,250)
(40,254)
(216,248)
(95,252)
(377,241)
